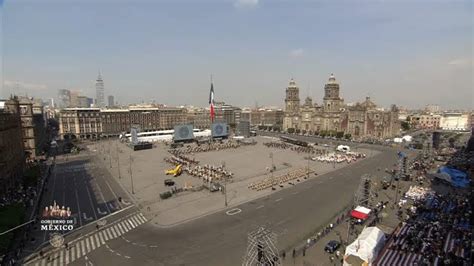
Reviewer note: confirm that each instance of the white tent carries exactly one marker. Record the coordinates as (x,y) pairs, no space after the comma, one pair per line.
(407,138)
(364,250)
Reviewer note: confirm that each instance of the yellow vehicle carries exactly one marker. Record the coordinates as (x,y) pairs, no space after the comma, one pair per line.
(175,172)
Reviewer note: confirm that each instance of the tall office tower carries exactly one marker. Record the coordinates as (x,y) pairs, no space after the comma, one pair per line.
(110,100)
(64,98)
(99,90)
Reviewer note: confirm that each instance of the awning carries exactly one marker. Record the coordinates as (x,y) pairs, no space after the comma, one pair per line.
(360,212)
(359,215)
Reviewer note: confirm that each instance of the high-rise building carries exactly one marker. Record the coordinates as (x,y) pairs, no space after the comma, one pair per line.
(111,101)
(64,98)
(74,99)
(99,90)
(83,101)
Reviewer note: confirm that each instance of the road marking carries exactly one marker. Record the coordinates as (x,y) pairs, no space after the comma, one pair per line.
(92,243)
(102,196)
(127,257)
(261,206)
(125,224)
(104,235)
(83,248)
(120,229)
(294,193)
(115,195)
(123,227)
(67,256)
(61,257)
(78,250)
(101,237)
(131,223)
(73,255)
(139,218)
(114,233)
(88,247)
(85,217)
(144,218)
(101,212)
(136,220)
(96,236)
(90,200)
(233,211)
(277,200)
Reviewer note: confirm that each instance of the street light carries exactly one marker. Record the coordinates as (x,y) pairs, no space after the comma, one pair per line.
(131,175)
(118,160)
(225,184)
(272,166)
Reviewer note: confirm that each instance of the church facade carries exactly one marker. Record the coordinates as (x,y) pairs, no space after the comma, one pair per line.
(362,120)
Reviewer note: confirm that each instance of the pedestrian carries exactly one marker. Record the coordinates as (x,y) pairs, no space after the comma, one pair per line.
(283,255)
(304,251)
(338,253)
(294,253)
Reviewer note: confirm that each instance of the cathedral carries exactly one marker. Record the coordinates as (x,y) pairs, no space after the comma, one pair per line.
(333,117)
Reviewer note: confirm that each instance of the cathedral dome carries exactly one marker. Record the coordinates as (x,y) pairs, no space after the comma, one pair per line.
(332,79)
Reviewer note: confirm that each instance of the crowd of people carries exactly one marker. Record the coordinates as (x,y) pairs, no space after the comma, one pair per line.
(209,173)
(280,180)
(20,195)
(437,232)
(179,158)
(212,146)
(338,158)
(296,148)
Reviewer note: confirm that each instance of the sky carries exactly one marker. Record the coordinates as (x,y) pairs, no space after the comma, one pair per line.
(405,52)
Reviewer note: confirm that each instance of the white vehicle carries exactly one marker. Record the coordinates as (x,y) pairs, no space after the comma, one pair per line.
(343,148)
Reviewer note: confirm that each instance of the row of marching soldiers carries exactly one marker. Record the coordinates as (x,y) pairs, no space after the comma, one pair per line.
(206,172)
(285,146)
(278,180)
(214,146)
(339,158)
(210,172)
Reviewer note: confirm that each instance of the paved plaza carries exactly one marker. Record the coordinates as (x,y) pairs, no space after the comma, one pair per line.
(248,164)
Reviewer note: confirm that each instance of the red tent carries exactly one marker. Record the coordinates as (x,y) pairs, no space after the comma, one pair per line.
(360,213)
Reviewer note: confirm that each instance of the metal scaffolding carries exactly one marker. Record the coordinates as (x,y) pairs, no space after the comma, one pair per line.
(261,248)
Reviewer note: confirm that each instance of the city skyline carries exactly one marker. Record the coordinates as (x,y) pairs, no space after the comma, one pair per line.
(252,48)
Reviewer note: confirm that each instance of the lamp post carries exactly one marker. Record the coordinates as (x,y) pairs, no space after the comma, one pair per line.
(118,160)
(131,175)
(225,184)
(271,169)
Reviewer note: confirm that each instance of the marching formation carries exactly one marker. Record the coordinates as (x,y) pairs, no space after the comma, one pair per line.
(298,149)
(214,146)
(279,180)
(339,157)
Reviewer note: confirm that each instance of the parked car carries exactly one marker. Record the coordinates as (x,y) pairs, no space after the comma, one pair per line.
(332,246)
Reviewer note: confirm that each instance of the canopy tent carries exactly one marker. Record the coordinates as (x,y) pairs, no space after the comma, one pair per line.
(360,213)
(364,250)
(453,176)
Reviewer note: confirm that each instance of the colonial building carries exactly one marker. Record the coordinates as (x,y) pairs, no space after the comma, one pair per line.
(93,123)
(12,156)
(333,116)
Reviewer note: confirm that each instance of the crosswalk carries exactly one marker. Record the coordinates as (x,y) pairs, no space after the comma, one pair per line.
(79,248)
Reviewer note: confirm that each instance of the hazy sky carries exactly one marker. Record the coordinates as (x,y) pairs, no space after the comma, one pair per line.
(408,52)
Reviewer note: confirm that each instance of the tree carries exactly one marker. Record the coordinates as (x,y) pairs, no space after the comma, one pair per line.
(291,130)
(339,134)
(347,136)
(405,125)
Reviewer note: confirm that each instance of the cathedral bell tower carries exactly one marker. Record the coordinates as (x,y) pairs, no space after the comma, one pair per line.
(292,99)
(332,101)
